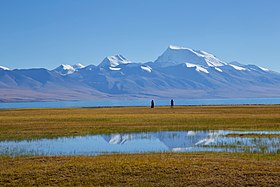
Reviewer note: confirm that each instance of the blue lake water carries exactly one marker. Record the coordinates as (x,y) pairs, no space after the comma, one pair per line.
(167,141)
(106,103)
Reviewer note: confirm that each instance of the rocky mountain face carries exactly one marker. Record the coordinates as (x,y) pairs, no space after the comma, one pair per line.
(178,73)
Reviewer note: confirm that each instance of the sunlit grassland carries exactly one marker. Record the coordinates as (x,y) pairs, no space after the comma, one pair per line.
(162,169)
(158,169)
(38,123)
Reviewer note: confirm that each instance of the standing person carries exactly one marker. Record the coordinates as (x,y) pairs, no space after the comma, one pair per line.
(172,103)
(152,104)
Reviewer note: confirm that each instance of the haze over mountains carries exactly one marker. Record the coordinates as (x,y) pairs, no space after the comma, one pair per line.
(178,73)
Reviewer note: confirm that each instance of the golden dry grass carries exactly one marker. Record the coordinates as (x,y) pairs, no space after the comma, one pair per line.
(168,169)
(254,135)
(38,123)
(163,169)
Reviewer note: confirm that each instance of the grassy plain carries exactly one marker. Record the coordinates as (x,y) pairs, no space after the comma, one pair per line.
(176,169)
(161,169)
(48,123)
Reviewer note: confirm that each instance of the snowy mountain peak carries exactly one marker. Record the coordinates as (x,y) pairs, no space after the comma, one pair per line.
(175,55)
(114,61)
(178,73)
(174,47)
(78,66)
(4,68)
(66,69)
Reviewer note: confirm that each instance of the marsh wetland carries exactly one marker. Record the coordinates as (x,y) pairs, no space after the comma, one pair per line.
(195,145)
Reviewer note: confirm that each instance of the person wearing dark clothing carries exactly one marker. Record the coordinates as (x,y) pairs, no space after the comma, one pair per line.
(172,103)
(152,104)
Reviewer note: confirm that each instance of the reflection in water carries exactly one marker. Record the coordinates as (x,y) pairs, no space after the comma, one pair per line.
(170,141)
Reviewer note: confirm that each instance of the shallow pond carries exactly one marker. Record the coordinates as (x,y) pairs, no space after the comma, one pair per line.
(167,141)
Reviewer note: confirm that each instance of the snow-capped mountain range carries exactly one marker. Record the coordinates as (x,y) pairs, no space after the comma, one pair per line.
(178,73)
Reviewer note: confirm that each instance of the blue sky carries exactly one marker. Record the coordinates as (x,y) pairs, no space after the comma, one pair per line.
(48,33)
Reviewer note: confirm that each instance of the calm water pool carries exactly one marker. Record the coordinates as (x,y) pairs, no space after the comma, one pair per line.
(169,141)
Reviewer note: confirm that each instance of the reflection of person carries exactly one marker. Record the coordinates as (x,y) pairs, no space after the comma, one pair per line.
(152,104)
(172,103)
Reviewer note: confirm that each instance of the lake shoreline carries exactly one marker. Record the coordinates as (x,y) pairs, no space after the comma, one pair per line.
(140,106)
(146,102)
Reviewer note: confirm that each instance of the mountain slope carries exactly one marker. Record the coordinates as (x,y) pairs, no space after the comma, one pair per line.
(178,73)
